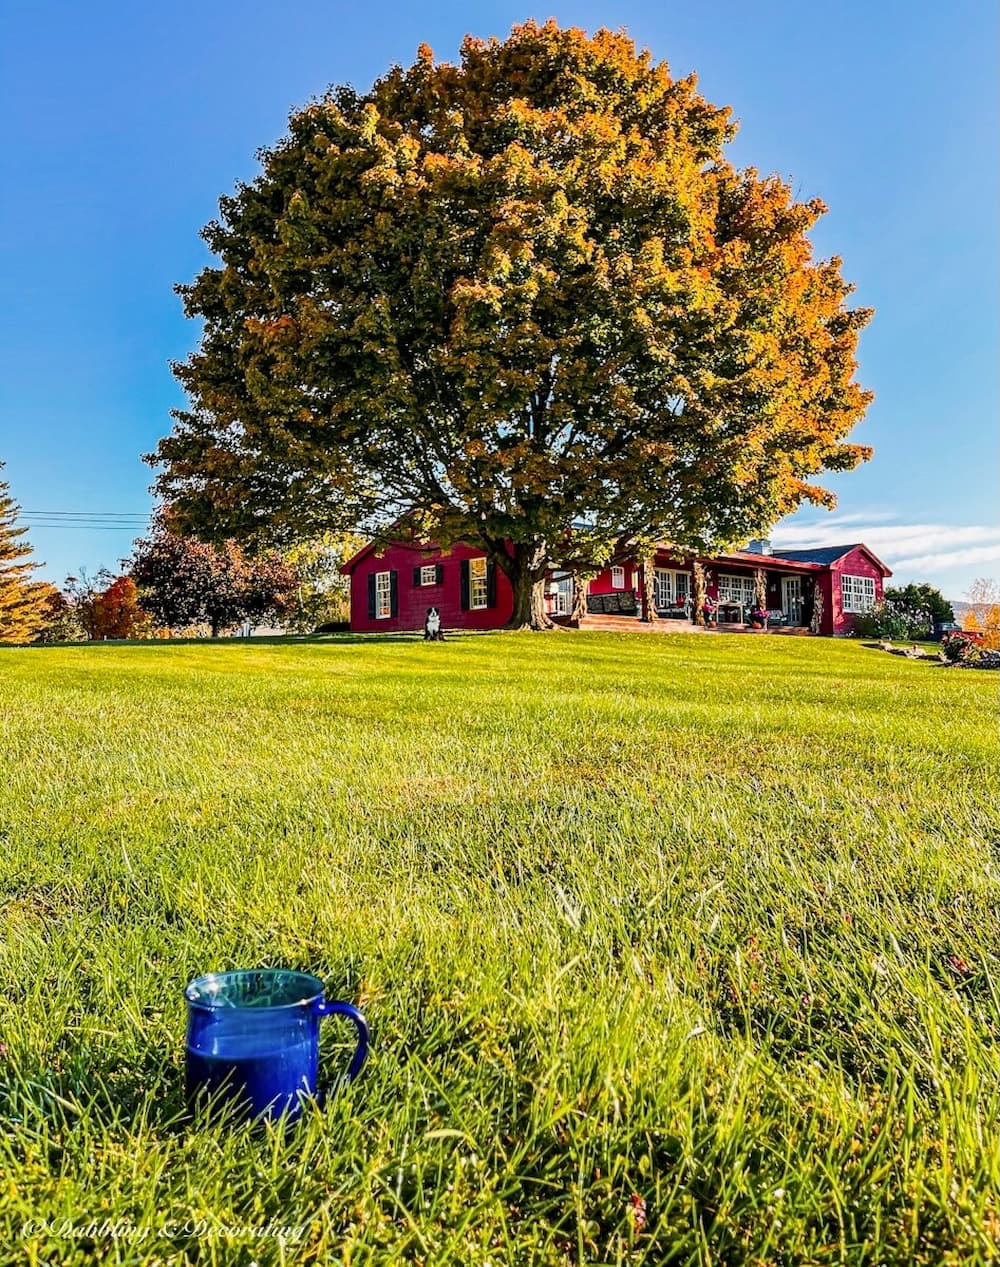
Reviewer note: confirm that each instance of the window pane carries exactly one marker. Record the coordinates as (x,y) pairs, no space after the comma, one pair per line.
(383,595)
(736,589)
(478,592)
(671,587)
(858,593)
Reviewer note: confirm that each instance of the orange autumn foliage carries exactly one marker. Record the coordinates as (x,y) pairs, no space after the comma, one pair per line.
(983,615)
(115,612)
(497,296)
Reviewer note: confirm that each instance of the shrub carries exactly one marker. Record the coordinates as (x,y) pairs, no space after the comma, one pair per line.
(957,647)
(890,619)
(920,600)
(62,620)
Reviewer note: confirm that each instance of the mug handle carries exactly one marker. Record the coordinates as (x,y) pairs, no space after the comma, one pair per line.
(329,1007)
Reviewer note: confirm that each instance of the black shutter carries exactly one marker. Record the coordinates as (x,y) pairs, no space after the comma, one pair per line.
(439,573)
(393,593)
(491,585)
(371,595)
(416,576)
(465,585)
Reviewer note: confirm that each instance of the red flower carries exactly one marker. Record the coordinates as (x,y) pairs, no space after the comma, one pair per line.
(959,966)
(637,1208)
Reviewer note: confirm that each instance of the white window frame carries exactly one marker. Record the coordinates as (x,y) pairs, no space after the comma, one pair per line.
(857,593)
(792,597)
(560,591)
(737,590)
(669,585)
(617,578)
(479,593)
(383,595)
(428,574)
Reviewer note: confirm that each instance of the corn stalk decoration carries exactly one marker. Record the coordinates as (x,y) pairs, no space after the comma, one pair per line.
(581,588)
(816,623)
(649,588)
(699,593)
(760,590)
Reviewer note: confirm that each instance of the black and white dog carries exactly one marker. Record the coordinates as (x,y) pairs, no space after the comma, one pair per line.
(432,626)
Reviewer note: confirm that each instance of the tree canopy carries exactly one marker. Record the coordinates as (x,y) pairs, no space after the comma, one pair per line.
(921,599)
(321,595)
(522,299)
(983,614)
(184,582)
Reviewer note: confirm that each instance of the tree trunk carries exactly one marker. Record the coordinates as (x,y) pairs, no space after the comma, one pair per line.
(529,604)
(526,571)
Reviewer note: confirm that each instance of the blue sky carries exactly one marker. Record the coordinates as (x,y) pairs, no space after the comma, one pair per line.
(123,124)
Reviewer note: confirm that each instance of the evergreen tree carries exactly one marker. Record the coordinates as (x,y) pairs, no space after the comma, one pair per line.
(22,600)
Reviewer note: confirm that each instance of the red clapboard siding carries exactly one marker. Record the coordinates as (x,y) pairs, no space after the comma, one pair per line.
(856,562)
(601,584)
(410,600)
(413,600)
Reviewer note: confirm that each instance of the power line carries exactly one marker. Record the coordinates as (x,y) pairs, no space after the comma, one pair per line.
(85,514)
(95,520)
(134,528)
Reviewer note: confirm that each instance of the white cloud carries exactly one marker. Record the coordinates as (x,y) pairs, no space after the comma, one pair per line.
(951,558)
(926,551)
(895,540)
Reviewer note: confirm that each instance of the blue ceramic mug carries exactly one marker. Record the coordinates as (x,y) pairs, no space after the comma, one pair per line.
(253,1039)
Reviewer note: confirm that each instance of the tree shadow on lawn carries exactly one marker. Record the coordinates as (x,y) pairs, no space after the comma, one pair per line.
(269,640)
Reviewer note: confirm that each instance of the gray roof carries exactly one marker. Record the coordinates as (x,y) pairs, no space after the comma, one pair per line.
(816,554)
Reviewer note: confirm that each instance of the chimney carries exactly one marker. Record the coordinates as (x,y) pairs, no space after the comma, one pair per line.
(759,545)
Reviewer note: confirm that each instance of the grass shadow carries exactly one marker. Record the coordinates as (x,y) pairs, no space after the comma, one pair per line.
(102,1090)
(268,640)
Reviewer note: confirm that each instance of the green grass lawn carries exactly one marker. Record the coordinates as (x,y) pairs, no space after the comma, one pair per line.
(709,923)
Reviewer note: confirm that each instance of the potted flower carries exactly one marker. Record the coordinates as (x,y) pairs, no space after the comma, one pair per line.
(758,618)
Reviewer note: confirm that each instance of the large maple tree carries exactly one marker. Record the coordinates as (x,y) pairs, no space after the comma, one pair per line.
(524,300)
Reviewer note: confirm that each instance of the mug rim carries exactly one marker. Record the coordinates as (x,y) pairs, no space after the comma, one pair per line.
(191,989)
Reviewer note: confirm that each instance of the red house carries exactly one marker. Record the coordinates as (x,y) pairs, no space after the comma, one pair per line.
(392,588)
